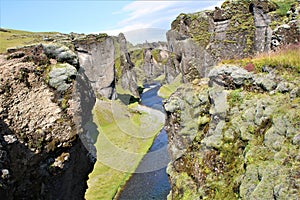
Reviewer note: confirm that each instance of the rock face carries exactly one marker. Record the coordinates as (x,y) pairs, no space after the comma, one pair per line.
(154,63)
(231,137)
(96,55)
(60,75)
(43,142)
(235,133)
(127,79)
(238,29)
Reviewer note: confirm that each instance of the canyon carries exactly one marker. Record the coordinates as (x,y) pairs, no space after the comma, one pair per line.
(232,109)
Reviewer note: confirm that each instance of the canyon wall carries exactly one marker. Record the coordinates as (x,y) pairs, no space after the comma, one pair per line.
(234,128)
(236,30)
(46,100)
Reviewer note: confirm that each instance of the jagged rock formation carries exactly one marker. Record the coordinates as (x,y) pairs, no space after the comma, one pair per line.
(96,55)
(234,134)
(154,62)
(126,76)
(238,29)
(43,142)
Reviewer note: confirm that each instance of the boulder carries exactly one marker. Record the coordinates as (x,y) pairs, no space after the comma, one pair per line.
(61,53)
(61,76)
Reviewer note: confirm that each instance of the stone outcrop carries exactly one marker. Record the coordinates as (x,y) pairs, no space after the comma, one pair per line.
(234,136)
(45,152)
(238,29)
(127,79)
(154,63)
(96,55)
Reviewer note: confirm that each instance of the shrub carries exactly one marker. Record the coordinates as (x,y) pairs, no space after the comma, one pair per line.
(249,67)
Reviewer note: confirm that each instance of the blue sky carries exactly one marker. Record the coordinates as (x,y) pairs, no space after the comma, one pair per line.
(94,16)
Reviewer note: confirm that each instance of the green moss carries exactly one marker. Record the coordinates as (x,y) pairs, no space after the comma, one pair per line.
(166,90)
(199,29)
(91,38)
(242,28)
(64,103)
(235,98)
(119,128)
(155,54)
(187,191)
(229,41)
(137,57)
(198,26)
(283,6)
(118,68)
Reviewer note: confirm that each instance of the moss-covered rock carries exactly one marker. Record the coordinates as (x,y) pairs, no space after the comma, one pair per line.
(245,144)
(240,28)
(61,76)
(40,128)
(61,53)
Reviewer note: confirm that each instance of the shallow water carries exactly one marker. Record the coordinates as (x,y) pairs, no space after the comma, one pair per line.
(150,180)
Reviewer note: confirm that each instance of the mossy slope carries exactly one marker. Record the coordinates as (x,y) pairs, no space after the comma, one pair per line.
(126,134)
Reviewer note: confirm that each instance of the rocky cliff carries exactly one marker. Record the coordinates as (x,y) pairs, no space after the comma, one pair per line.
(96,55)
(235,133)
(46,100)
(153,63)
(126,76)
(238,29)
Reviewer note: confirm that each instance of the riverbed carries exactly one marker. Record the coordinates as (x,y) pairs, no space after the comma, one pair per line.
(150,180)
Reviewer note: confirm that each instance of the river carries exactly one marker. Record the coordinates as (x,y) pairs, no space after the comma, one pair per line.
(150,181)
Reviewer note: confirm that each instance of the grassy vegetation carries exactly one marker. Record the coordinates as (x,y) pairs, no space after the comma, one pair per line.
(15,38)
(283,6)
(117,59)
(166,90)
(235,97)
(137,57)
(125,135)
(283,59)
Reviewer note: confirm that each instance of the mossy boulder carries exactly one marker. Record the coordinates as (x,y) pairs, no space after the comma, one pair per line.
(61,53)
(61,76)
(245,141)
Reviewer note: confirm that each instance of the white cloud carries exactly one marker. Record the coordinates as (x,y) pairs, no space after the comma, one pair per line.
(143,9)
(156,14)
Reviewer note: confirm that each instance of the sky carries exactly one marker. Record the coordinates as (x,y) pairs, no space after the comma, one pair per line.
(96,16)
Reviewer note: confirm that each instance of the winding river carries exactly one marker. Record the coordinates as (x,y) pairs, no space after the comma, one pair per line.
(151,183)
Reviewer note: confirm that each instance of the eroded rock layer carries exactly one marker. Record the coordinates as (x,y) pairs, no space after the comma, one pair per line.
(45,101)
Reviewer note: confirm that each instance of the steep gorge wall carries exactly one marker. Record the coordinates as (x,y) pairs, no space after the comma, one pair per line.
(96,55)
(44,152)
(232,137)
(235,133)
(236,30)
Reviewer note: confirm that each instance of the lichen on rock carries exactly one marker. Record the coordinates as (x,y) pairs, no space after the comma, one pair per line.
(245,143)
(42,156)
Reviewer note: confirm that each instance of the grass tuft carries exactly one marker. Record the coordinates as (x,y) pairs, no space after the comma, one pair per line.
(286,58)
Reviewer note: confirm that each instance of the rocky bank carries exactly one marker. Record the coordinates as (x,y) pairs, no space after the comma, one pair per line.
(235,135)
(45,152)
(234,129)
(238,29)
